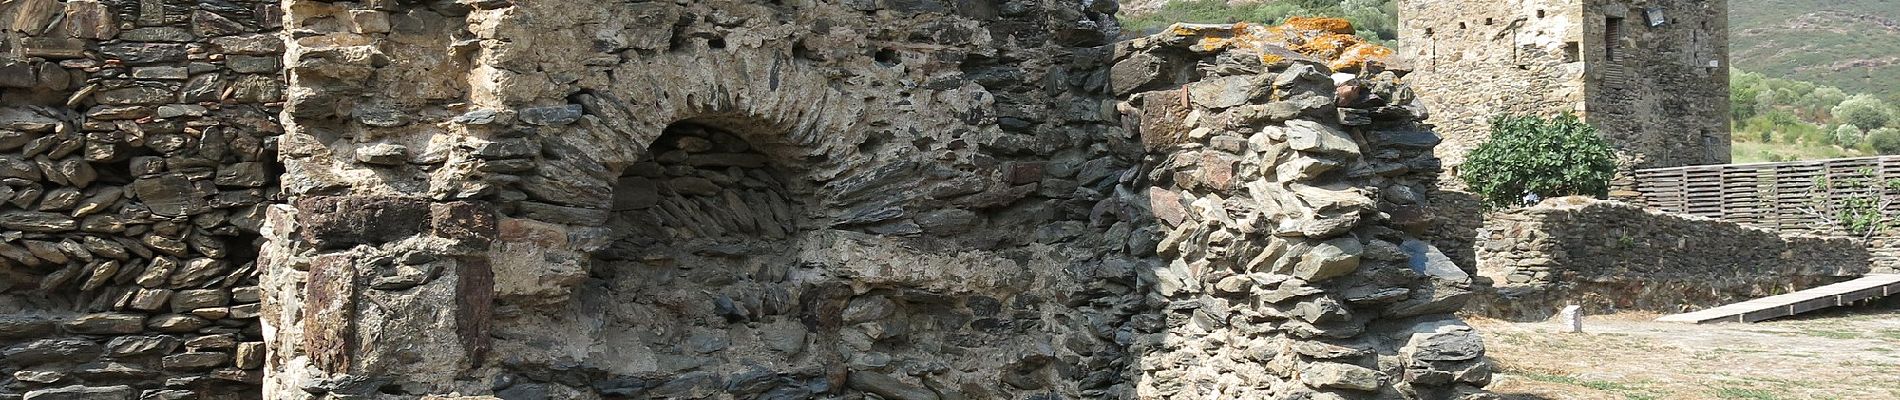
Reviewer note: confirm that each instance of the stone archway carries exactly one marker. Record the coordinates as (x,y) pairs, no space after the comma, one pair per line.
(696,289)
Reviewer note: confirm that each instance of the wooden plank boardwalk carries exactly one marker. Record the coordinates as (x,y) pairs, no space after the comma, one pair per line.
(1839,294)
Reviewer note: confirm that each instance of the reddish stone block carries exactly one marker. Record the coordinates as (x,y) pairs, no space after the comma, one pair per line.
(329,312)
(334,222)
(472,224)
(475,294)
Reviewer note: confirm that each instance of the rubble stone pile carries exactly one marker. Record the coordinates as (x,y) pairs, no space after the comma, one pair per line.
(1289,199)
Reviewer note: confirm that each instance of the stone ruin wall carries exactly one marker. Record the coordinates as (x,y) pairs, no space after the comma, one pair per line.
(139,158)
(1613,257)
(566,199)
(1659,100)
(1658,103)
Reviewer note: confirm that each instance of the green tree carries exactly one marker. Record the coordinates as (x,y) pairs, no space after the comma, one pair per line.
(1886,141)
(1848,135)
(1864,111)
(1547,157)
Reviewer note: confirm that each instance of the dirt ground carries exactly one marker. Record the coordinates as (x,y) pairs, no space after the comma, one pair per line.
(1849,353)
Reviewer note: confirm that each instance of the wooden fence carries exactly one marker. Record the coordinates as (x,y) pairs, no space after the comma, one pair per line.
(1785,197)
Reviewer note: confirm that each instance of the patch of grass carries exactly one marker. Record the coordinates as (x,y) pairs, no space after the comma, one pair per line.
(1731,392)
(1832,333)
(1889,334)
(1753,152)
(1628,391)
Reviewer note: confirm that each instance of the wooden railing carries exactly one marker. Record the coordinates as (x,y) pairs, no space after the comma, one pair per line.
(1785,196)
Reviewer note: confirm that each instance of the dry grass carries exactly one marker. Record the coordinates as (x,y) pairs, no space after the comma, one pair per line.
(1840,355)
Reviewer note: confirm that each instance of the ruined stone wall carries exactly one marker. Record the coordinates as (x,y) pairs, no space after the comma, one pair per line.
(1661,98)
(914,200)
(1291,210)
(713,199)
(1609,257)
(138,141)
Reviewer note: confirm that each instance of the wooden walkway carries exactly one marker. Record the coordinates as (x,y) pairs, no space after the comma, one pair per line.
(1839,294)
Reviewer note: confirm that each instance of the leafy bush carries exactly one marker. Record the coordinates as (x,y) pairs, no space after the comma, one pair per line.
(1546,157)
(1848,135)
(1886,141)
(1864,111)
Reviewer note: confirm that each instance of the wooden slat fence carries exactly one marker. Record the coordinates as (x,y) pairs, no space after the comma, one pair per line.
(1777,196)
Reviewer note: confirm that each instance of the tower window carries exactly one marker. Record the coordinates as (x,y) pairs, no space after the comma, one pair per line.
(1612,37)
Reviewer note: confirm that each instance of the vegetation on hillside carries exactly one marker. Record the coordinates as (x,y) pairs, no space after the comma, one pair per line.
(1841,43)
(1547,157)
(1376,20)
(1779,120)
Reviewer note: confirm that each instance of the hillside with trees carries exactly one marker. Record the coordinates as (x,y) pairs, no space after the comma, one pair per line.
(1780,119)
(1842,43)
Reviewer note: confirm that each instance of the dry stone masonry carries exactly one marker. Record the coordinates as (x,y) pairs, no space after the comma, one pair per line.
(566,199)
(1290,210)
(1609,256)
(139,142)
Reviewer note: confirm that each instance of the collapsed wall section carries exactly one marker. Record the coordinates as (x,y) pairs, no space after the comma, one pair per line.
(138,141)
(1289,198)
(853,199)
(1613,257)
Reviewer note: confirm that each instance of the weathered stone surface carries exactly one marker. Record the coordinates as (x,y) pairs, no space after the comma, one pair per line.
(106,324)
(888,386)
(334,222)
(1340,376)
(50,350)
(81,392)
(21,327)
(125,346)
(195,361)
(1329,260)
(176,323)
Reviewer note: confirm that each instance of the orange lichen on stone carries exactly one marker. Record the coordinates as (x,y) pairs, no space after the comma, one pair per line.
(1328,46)
(1321,24)
(1327,40)
(1356,57)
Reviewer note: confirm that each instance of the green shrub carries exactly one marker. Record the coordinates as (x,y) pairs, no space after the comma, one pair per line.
(1848,135)
(1547,157)
(1863,111)
(1886,141)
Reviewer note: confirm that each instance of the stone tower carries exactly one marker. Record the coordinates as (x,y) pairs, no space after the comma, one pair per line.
(1651,75)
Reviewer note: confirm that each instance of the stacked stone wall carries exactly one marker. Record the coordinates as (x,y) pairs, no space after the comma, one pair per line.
(139,147)
(1658,92)
(1290,207)
(1611,257)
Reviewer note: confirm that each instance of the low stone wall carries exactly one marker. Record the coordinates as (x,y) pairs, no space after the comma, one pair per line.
(1611,256)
